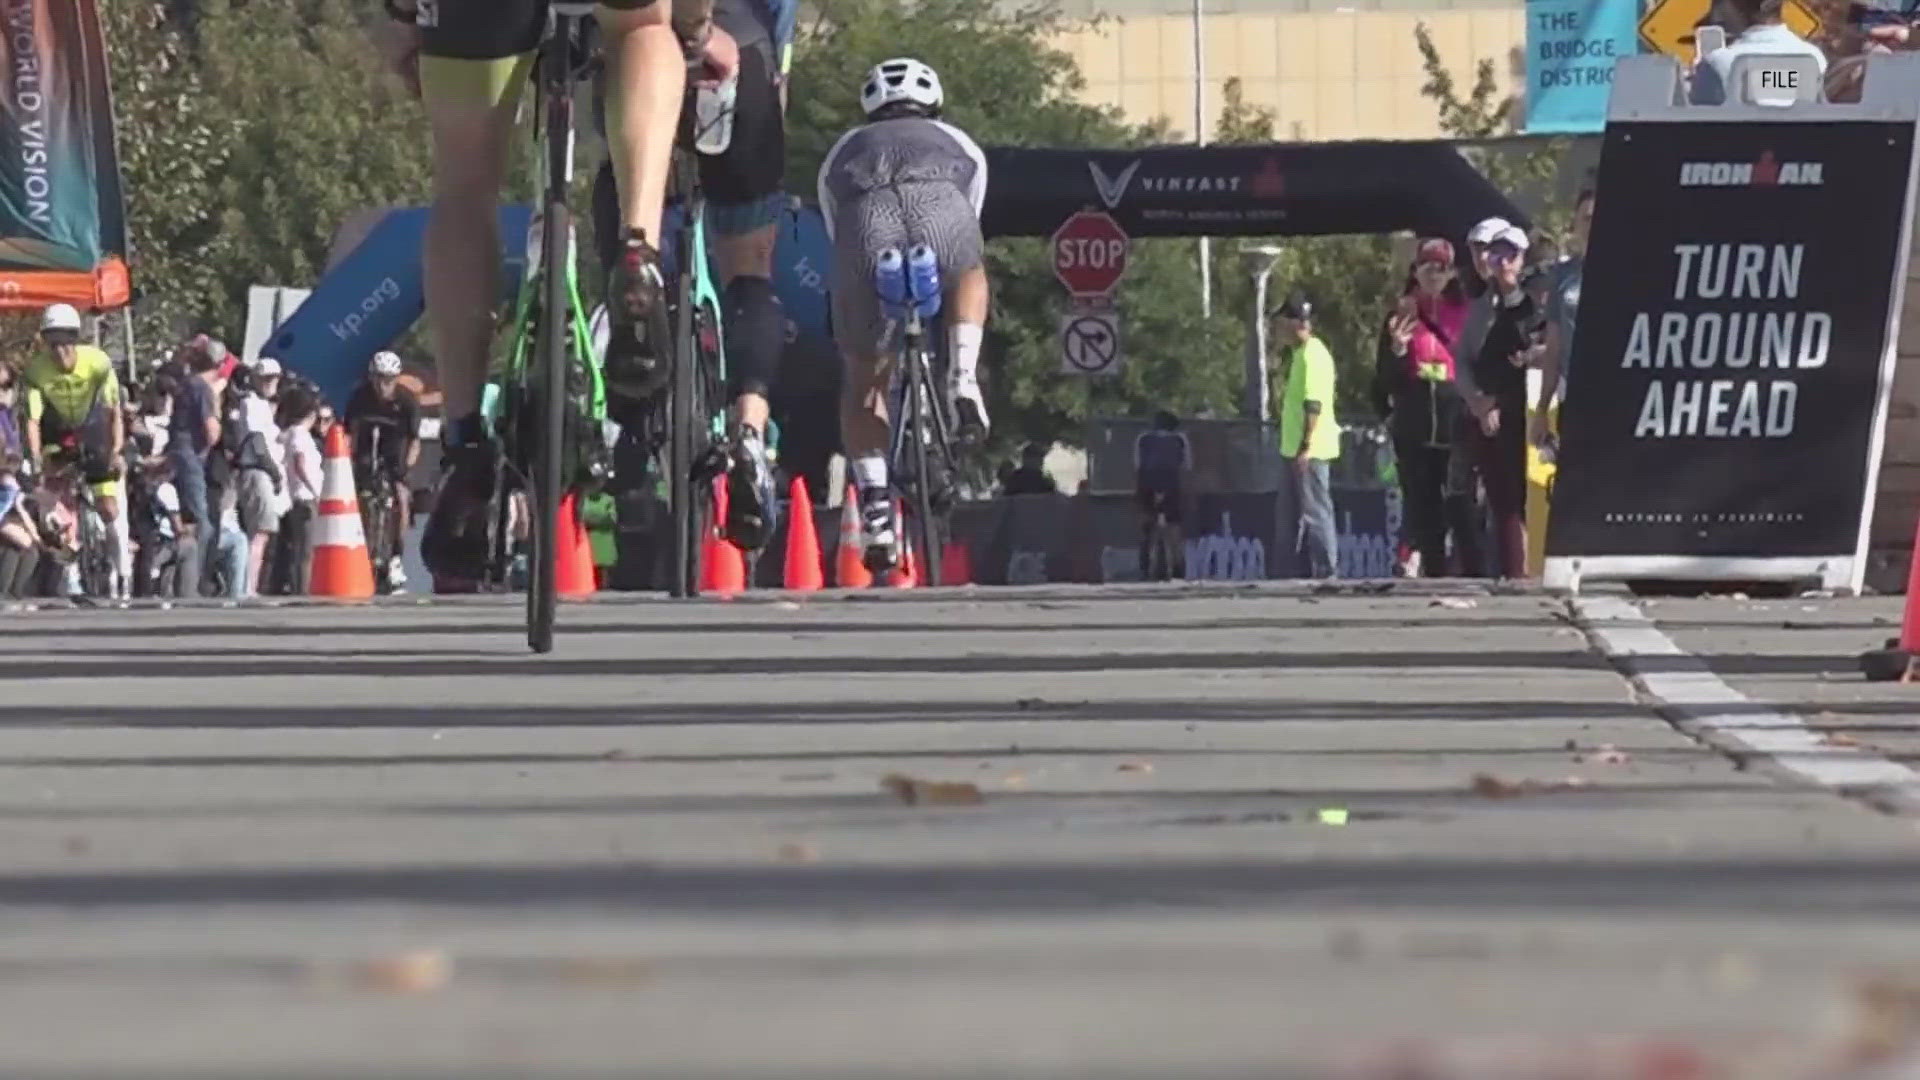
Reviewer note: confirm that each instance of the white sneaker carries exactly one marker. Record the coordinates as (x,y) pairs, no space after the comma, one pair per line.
(969,406)
(396,573)
(879,529)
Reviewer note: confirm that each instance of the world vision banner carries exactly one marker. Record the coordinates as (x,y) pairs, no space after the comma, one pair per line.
(62,221)
(1729,369)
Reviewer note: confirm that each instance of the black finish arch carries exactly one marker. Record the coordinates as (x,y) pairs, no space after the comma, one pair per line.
(1277,189)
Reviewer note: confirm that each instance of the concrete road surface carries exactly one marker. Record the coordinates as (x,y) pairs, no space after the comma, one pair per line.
(387,842)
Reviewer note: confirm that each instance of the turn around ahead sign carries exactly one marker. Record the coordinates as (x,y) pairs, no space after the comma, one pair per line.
(1668,28)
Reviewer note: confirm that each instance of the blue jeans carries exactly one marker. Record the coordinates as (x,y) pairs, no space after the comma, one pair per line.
(1317,540)
(230,557)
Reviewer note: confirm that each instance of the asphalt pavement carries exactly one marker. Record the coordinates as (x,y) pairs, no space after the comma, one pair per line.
(1196,832)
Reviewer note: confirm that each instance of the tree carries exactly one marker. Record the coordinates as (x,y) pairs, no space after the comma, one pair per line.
(1349,278)
(1529,174)
(1005,85)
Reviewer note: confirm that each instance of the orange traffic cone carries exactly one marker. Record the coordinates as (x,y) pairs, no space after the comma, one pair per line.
(573,571)
(907,574)
(339,568)
(956,564)
(850,556)
(803,570)
(723,567)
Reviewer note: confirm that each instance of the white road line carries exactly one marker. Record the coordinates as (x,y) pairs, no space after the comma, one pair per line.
(1705,707)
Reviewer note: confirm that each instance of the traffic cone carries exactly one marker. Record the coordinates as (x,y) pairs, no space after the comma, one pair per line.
(803,571)
(850,555)
(1900,660)
(339,569)
(573,570)
(907,574)
(723,567)
(956,564)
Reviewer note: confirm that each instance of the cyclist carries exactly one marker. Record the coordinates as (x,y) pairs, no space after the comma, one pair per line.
(905,177)
(73,407)
(380,404)
(468,60)
(745,200)
(1161,458)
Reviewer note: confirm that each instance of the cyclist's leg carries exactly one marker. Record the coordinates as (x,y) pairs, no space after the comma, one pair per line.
(866,335)
(473,65)
(745,203)
(942,217)
(646,84)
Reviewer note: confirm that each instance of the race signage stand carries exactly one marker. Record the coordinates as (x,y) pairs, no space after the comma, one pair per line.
(1727,390)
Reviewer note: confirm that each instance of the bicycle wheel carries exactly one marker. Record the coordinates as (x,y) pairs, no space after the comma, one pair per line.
(377,532)
(687,413)
(924,428)
(550,449)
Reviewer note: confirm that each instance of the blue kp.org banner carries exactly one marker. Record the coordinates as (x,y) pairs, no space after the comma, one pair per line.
(1571,47)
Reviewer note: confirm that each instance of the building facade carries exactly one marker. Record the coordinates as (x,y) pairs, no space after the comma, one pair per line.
(1330,70)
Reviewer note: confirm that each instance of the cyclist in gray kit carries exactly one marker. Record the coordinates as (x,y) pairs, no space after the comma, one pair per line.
(904,178)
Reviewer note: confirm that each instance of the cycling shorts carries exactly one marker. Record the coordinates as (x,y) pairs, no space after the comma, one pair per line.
(84,445)
(932,212)
(1160,500)
(482,50)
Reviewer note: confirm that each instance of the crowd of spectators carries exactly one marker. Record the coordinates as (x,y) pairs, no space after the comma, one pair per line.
(213,493)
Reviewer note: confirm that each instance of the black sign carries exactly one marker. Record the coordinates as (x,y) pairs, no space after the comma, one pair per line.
(1726,364)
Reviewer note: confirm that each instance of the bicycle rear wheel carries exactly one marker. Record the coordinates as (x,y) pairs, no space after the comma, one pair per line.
(687,414)
(549,453)
(925,429)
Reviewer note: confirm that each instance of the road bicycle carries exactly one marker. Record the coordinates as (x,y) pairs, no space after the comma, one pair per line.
(378,505)
(920,453)
(551,408)
(93,558)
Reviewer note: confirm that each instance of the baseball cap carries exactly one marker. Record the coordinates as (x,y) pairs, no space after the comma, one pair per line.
(266,367)
(1433,250)
(1484,232)
(1511,237)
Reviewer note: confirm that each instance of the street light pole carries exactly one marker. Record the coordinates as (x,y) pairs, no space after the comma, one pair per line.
(1200,139)
(1258,405)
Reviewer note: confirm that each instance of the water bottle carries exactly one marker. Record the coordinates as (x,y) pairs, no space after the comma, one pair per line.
(890,280)
(923,271)
(713,116)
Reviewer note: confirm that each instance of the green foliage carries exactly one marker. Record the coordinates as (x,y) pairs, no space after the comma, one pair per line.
(1529,174)
(1349,278)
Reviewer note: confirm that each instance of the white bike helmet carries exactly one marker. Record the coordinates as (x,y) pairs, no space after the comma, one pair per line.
(385,364)
(901,80)
(60,317)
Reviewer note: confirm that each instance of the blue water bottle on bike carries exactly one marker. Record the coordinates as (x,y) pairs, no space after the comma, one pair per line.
(890,280)
(923,273)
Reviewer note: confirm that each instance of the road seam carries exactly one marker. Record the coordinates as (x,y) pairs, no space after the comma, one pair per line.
(1704,707)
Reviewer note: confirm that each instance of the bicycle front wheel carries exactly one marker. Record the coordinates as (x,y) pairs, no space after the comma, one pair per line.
(549,452)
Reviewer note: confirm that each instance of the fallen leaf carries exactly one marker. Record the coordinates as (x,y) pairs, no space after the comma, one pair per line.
(1610,755)
(603,970)
(1455,602)
(799,852)
(1014,780)
(1333,815)
(1136,766)
(419,972)
(77,845)
(1492,787)
(1839,738)
(916,792)
(1570,745)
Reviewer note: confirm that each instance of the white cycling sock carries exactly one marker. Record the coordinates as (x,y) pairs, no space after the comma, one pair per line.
(870,472)
(964,347)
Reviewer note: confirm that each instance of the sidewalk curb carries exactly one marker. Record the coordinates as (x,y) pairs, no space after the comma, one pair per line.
(1684,691)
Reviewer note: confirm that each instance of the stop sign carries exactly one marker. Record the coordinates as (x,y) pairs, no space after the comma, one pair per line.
(1089,253)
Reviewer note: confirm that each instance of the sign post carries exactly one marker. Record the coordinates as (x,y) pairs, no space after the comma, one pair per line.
(1090,252)
(1727,390)
(1668,27)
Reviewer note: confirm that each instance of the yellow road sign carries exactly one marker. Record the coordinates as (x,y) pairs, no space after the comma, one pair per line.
(1668,28)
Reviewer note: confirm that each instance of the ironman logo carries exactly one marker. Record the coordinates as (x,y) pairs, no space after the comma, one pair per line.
(1090,253)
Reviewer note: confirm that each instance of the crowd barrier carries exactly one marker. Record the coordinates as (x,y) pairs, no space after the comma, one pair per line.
(1089,539)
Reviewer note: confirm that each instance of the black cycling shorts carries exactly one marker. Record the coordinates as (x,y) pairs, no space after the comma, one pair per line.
(1160,500)
(490,30)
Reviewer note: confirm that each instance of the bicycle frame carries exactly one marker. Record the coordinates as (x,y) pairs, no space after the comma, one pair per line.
(919,414)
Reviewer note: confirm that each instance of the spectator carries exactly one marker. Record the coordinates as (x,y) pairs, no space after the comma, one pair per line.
(1309,433)
(1415,392)
(10,441)
(258,465)
(166,544)
(193,430)
(1478,238)
(1494,387)
(1563,303)
(1031,477)
(19,546)
(1765,33)
(1161,457)
(299,410)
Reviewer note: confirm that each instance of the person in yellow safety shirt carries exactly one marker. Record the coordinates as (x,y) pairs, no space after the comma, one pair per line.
(1309,434)
(601,517)
(73,411)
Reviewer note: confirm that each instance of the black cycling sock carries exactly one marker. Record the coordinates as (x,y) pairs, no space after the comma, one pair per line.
(756,329)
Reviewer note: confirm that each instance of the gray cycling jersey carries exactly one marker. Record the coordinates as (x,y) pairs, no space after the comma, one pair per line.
(905,151)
